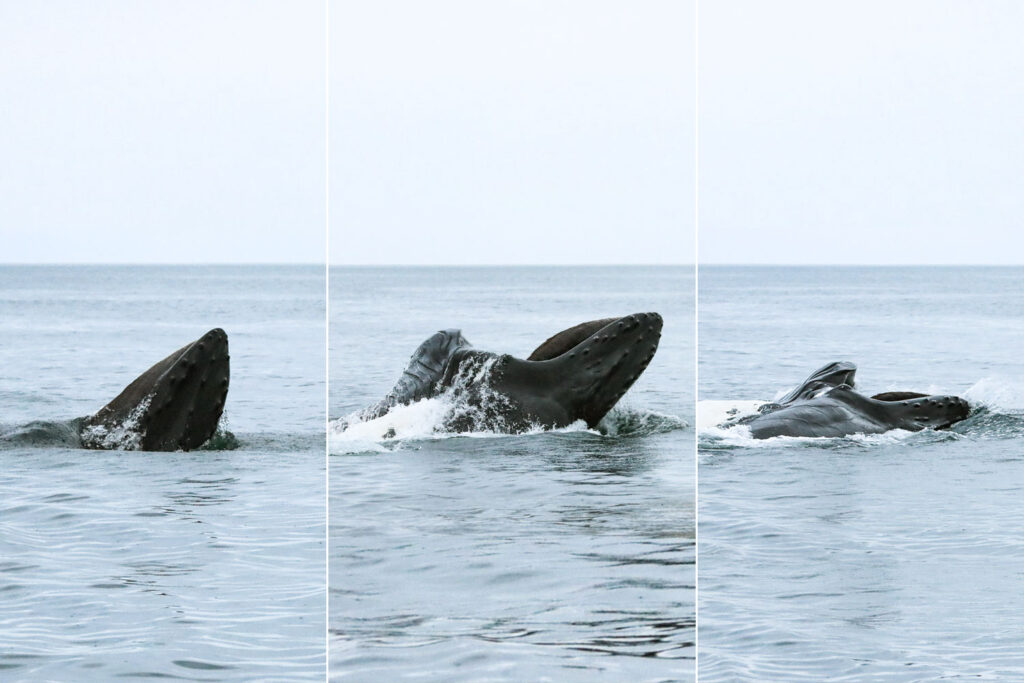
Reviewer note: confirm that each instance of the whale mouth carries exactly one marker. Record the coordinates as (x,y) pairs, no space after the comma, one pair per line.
(607,363)
(822,380)
(175,405)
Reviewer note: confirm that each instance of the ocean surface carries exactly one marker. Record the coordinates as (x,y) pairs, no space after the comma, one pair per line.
(206,565)
(561,555)
(897,557)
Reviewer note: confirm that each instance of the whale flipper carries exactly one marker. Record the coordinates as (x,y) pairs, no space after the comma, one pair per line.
(174,405)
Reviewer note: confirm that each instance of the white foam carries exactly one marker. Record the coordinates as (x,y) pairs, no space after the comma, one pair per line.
(124,436)
(711,414)
(996,394)
(416,420)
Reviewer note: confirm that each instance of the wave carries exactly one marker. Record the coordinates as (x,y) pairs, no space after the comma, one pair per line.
(42,434)
(66,434)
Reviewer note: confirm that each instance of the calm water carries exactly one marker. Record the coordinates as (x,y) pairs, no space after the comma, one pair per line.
(895,557)
(558,556)
(200,566)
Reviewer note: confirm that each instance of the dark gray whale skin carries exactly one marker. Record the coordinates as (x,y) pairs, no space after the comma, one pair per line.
(173,406)
(826,405)
(578,374)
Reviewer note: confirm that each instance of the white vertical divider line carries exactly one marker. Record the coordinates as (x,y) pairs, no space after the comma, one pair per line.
(696,335)
(327,341)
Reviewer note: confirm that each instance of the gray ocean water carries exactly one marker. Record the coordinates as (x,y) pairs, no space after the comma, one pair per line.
(206,565)
(563,555)
(896,557)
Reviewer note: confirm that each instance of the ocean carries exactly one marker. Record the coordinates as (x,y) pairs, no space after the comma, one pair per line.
(207,565)
(890,557)
(557,555)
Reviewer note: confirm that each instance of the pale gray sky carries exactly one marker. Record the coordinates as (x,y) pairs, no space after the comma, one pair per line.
(861,132)
(527,131)
(141,132)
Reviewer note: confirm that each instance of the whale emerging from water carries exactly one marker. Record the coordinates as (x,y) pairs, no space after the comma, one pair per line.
(826,405)
(174,406)
(578,374)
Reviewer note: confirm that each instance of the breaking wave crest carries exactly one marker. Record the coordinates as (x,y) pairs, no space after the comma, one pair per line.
(41,434)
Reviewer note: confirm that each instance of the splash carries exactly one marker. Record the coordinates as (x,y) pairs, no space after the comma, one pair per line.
(471,408)
(125,436)
(624,421)
(711,414)
(997,395)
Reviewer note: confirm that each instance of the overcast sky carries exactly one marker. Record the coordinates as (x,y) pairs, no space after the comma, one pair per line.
(861,132)
(186,131)
(546,131)
(512,132)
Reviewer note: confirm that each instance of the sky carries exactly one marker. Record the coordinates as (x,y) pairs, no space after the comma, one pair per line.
(525,132)
(861,132)
(162,132)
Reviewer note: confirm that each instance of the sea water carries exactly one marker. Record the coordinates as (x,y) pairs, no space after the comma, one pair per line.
(206,565)
(555,555)
(890,557)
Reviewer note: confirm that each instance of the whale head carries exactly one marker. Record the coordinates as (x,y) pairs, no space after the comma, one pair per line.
(175,405)
(583,382)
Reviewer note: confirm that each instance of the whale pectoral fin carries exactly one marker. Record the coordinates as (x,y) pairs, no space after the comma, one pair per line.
(566,339)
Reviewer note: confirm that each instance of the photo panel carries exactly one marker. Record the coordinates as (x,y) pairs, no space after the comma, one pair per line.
(163,338)
(511,341)
(859,401)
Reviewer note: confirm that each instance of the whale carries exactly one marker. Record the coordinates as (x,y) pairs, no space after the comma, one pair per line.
(577,374)
(175,405)
(827,405)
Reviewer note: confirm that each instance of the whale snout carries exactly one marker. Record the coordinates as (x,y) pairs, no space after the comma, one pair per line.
(939,412)
(614,358)
(189,397)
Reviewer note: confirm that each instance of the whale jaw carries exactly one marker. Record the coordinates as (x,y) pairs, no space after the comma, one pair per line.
(174,405)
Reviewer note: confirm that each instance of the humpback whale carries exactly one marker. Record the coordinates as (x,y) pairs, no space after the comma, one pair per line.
(577,374)
(173,406)
(826,405)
